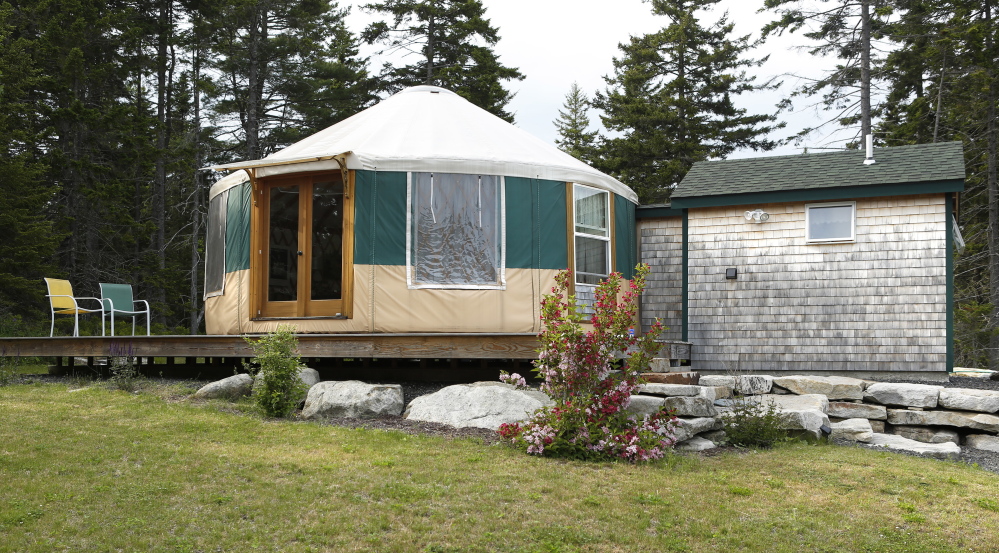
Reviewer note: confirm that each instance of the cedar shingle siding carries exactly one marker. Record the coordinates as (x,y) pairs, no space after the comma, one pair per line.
(877,304)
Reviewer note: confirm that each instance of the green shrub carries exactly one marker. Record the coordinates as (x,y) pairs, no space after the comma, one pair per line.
(277,365)
(753,423)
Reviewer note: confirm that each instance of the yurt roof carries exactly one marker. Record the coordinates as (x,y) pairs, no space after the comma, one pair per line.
(425,129)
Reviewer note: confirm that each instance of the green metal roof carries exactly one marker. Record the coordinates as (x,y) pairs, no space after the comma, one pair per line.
(938,165)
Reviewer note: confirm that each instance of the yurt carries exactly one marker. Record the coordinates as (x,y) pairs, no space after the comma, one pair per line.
(421,214)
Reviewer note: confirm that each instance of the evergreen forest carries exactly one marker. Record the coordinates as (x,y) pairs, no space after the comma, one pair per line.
(109,110)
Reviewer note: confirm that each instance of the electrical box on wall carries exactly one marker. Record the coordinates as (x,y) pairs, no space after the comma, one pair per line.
(732,273)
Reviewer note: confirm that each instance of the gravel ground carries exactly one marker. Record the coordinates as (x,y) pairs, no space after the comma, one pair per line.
(411,390)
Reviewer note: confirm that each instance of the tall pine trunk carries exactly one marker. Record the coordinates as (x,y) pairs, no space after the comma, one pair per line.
(993,186)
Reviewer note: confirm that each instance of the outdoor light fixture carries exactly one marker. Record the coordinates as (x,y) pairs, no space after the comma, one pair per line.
(732,273)
(757,215)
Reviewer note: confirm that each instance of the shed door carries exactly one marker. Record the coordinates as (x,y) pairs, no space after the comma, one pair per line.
(306,262)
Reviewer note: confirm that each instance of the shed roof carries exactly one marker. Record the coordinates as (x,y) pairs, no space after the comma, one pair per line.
(940,163)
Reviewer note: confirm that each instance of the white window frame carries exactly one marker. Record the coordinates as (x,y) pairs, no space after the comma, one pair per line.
(840,240)
(411,269)
(607,239)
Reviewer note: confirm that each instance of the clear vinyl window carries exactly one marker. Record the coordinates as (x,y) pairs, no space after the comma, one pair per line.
(456,231)
(215,246)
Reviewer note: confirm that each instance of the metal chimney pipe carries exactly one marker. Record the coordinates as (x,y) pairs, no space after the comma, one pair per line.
(870,150)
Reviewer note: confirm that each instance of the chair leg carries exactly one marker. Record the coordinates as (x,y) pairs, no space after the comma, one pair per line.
(147,323)
(112,322)
(133,324)
(76,323)
(103,326)
(52,328)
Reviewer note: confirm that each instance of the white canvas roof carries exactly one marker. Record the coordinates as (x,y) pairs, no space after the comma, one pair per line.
(426,128)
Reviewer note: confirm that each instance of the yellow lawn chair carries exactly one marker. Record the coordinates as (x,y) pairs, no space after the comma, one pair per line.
(63,302)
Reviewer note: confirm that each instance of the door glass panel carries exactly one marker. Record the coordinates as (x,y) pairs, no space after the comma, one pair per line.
(327,240)
(282,282)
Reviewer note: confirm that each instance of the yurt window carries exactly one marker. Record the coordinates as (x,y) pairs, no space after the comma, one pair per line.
(591,215)
(456,232)
(215,247)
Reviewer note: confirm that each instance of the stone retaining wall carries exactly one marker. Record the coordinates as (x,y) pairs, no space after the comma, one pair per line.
(916,417)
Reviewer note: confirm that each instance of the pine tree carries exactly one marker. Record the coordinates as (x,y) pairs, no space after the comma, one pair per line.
(287,69)
(28,246)
(847,29)
(454,42)
(572,122)
(671,100)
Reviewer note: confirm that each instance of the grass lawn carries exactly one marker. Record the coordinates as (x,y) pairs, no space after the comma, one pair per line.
(100,470)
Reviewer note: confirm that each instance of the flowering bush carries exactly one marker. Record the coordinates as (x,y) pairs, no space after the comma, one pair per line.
(591,388)
(514,380)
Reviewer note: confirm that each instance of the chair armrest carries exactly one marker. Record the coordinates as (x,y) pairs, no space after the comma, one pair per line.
(143,302)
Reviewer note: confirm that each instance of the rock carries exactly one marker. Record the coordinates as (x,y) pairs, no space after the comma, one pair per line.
(878,426)
(309,377)
(672,377)
(981,441)
(947,450)
(235,386)
(691,406)
(851,431)
(696,443)
(976,421)
(833,387)
(717,380)
(669,390)
(907,395)
(714,392)
(644,405)
(964,399)
(994,376)
(927,435)
(725,402)
(848,410)
(688,428)
(804,412)
(753,384)
(478,405)
(715,436)
(352,399)
(807,402)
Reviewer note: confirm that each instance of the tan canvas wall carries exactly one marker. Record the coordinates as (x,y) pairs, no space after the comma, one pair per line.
(383,303)
(878,304)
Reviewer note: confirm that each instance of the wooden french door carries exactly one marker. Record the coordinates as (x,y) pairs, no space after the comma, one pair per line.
(306,260)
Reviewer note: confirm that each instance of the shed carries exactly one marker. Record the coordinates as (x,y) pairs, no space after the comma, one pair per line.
(421,214)
(813,263)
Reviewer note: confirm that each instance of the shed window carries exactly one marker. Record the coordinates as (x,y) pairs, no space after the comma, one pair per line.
(591,215)
(456,231)
(830,222)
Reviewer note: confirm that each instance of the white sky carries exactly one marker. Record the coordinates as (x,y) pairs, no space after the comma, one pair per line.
(556,42)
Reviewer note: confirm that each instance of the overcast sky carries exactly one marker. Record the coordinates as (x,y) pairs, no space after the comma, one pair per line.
(556,42)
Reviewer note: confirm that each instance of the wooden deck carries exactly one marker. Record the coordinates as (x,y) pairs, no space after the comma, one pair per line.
(363,346)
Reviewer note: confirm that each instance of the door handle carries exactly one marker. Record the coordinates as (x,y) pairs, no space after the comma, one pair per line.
(300,252)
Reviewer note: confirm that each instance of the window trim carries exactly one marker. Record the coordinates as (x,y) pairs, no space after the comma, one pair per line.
(609,239)
(410,268)
(839,240)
